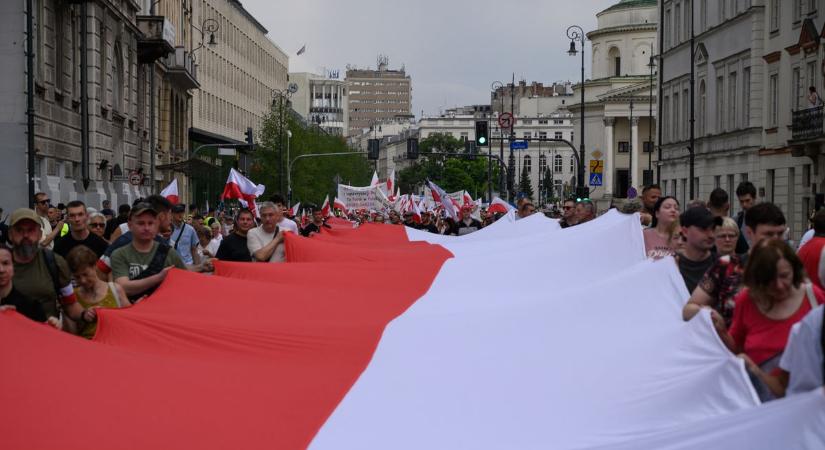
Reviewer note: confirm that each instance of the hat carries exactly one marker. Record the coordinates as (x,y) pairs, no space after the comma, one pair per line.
(24,214)
(141,208)
(699,217)
(179,208)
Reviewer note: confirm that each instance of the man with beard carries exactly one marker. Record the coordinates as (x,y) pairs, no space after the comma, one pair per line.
(141,265)
(39,273)
(234,247)
(162,207)
(79,233)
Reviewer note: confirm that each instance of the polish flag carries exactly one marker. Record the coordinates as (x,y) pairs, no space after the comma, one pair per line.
(304,218)
(391,182)
(499,206)
(394,338)
(294,210)
(416,211)
(171,192)
(374,181)
(243,189)
(326,211)
(338,204)
(468,200)
(440,196)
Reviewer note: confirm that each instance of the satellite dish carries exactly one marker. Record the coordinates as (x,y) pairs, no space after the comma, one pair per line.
(292,88)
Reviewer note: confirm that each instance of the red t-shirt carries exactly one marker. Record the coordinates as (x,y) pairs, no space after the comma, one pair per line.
(760,337)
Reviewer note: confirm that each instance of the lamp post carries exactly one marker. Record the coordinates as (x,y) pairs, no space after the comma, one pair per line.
(288,185)
(495,87)
(651,65)
(576,33)
(281,95)
(210,26)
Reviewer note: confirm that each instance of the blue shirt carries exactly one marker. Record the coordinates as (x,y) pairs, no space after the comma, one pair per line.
(183,240)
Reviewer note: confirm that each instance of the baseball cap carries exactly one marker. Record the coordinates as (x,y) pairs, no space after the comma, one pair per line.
(142,207)
(179,208)
(24,214)
(699,217)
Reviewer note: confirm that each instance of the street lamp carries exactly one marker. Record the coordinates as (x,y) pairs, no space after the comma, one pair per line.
(288,184)
(495,86)
(210,26)
(280,95)
(651,65)
(576,33)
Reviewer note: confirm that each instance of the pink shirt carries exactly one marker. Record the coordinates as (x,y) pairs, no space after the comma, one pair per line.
(656,247)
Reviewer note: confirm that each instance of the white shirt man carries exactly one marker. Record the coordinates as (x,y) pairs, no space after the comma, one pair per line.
(803,357)
(266,242)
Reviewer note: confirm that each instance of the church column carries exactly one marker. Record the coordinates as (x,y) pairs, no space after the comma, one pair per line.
(608,152)
(634,148)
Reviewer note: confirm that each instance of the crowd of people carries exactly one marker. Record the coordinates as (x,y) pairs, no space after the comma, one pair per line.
(59,264)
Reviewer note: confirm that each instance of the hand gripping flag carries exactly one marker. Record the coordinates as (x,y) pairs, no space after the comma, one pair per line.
(241,188)
(171,192)
(440,196)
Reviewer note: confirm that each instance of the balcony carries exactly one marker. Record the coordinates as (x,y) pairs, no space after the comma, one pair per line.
(807,124)
(156,40)
(326,109)
(181,69)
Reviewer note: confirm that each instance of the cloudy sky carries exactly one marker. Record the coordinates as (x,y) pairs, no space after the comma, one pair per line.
(453,49)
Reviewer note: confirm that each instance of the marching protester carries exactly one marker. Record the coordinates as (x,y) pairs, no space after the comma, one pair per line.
(802,361)
(161,206)
(395,218)
(184,238)
(568,213)
(97,225)
(234,247)
(718,203)
(39,273)
(467,224)
(318,222)
(698,225)
(284,223)
(49,232)
(811,253)
(427,223)
(585,211)
(91,292)
(650,196)
(79,233)
(775,297)
(409,220)
(11,297)
(266,242)
(746,194)
(527,209)
(142,264)
(204,242)
(659,237)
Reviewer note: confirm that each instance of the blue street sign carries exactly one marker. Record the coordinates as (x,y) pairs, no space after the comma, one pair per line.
(595,179)
(518,145)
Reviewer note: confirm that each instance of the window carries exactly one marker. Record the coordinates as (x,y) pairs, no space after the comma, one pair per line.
(528,164)
(542,121)
(647,147)
(702,107)
(796,88)
(526,121)
(464,136)
(557,135)
(624,146)
(667,27)
(774,15)
(774,100)
(117,79)
(542,135)
(542,163)
(674,133)
(615,61)
(677,24)
(557,164)
(746,97)
(797,10)
(527,135)
(732,100)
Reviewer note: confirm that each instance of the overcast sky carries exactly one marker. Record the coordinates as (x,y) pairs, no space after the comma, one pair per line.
(453,49)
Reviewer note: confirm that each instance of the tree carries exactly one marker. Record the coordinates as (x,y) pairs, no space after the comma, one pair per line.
(312,178)
(525,186)
(444,162)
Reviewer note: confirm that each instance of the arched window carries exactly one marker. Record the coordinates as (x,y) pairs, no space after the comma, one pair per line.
(117,79)
(614,61)
(557,164)
(528,164)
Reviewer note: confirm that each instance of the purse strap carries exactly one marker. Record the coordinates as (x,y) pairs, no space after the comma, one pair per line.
(809,292)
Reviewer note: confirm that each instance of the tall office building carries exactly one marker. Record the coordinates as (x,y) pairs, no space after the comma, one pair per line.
(378,96)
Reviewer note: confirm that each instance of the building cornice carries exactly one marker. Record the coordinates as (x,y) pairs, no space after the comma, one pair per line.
(622,29)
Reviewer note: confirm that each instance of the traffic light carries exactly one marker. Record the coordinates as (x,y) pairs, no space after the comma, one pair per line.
(250,137)
(482,137)
(372,149)
(412,148)
(583,193)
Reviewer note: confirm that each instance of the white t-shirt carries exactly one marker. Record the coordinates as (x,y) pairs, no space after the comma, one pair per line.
(288,225)
(803,354)
(47,230)
(257,238)
(213,246)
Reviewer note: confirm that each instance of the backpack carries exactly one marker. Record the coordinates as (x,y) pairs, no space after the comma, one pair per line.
(51,266)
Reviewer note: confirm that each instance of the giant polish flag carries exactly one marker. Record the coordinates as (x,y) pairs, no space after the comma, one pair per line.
(171,192)
(243,189)
(407,344)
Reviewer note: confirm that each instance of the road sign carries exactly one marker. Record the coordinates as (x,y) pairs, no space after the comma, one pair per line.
(518,145)
(595,179)
(597,166)
(135,178)
(506,120)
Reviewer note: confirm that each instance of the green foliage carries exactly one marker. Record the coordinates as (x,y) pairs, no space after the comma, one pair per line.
(444,162)
(525,186)
(312,178)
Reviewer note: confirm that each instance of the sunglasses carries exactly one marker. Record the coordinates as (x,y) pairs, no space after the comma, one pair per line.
(44,202)
(97,225)
(566,208)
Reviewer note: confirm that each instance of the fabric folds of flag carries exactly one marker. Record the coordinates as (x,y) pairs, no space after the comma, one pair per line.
(441,196)
(499,206)
(243,189)
(171,192)
(340,205)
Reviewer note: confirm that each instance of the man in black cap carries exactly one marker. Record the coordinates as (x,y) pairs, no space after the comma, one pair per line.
(142,265)
(698,225)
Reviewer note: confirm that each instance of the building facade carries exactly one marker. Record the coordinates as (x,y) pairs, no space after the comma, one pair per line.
(620,101)
(242,73)
(517,97)
(377,96)
(322,101)
(754,62)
